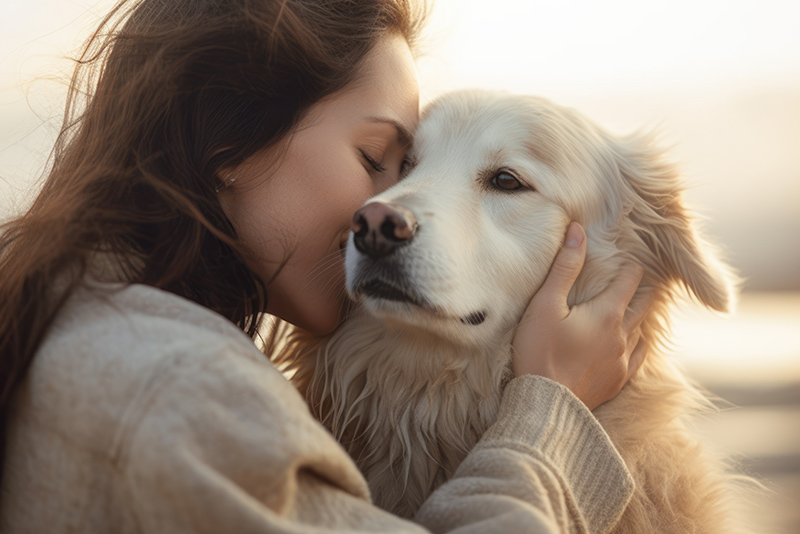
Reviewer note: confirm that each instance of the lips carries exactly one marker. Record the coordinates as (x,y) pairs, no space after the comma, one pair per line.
(343,243)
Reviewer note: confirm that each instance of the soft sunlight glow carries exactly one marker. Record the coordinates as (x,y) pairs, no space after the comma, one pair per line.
(758,343)
(586,46)
(720,78)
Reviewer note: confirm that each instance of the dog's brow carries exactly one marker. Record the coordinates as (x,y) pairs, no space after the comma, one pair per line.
(404,134)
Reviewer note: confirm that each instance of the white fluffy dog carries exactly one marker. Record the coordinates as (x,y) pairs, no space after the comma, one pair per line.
(444,264)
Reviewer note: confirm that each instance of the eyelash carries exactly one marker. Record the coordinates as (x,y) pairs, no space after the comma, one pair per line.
(374,164)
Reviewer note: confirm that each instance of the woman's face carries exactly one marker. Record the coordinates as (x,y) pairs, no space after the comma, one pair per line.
(294,204)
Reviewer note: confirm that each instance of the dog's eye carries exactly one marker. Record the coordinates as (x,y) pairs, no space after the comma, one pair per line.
(406,167)
(505,181)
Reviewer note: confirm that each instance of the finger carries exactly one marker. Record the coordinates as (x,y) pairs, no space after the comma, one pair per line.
(620,291)
(637,310)
(567,265)
(637,357)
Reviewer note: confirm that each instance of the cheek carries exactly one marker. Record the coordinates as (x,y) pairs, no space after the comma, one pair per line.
(255,227)
(313,279)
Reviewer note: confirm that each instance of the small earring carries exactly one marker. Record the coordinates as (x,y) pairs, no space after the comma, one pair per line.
(226,183)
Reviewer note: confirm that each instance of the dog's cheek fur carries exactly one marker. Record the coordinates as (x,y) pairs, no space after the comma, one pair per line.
(535,239)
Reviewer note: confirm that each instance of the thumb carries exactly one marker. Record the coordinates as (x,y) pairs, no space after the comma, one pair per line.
(567,265)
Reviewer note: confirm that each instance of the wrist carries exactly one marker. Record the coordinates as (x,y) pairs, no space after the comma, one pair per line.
(544,418)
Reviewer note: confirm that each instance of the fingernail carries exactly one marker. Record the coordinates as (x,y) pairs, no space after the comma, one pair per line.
(574,236)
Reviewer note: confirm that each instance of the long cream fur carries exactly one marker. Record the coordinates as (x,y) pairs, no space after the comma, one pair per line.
(410,391)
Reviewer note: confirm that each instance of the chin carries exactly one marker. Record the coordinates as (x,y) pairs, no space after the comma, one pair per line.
(320,330)
(314,310)
(322,320)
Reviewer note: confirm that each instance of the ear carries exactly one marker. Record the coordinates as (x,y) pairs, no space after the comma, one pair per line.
(661,220)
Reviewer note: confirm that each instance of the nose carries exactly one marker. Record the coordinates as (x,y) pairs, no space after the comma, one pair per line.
(379,228)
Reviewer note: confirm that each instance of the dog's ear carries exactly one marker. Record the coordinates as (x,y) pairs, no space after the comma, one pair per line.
(662,221)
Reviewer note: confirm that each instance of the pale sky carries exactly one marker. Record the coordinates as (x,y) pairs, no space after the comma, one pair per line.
(613,42)
(720,78)
(589,46)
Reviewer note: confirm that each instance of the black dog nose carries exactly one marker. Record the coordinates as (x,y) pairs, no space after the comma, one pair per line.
(379,228)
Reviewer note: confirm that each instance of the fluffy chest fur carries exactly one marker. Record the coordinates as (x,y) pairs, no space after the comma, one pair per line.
(407,409)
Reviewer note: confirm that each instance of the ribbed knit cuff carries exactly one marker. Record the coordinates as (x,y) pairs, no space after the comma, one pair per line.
(545,415)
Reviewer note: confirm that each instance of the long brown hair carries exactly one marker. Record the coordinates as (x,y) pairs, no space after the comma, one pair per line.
(166,96)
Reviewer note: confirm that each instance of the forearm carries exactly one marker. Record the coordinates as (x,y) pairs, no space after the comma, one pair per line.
(545,466)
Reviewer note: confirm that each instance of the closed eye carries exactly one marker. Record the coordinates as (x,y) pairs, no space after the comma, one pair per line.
(372,163)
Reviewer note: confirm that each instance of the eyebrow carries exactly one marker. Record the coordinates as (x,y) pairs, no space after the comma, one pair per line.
(403,133)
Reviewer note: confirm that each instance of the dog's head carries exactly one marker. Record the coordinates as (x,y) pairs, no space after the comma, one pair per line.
(459,246)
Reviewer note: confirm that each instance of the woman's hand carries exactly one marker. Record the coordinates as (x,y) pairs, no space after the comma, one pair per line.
(593,348)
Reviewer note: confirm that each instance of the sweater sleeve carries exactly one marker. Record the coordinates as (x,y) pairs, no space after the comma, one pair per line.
(228,445)
(545,466)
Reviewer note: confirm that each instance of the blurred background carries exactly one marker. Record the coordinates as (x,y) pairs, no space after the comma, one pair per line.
(720,79)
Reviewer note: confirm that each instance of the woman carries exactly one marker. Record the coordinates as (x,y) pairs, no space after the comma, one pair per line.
(209,177)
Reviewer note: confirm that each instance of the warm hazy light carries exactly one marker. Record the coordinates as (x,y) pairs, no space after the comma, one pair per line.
(626,63)
(587,46)
(759,343)
(720,77)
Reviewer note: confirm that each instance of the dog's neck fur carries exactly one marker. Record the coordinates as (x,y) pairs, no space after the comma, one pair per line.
(413,391)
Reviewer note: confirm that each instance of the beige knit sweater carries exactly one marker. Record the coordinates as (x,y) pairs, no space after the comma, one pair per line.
(144,412)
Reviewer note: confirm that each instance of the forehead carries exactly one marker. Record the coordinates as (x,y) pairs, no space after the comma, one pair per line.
(553,148)
(387,83)
(490,122)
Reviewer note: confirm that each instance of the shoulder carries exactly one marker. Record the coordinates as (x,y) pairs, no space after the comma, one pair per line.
(112,348)
(123,316)
(176,408)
